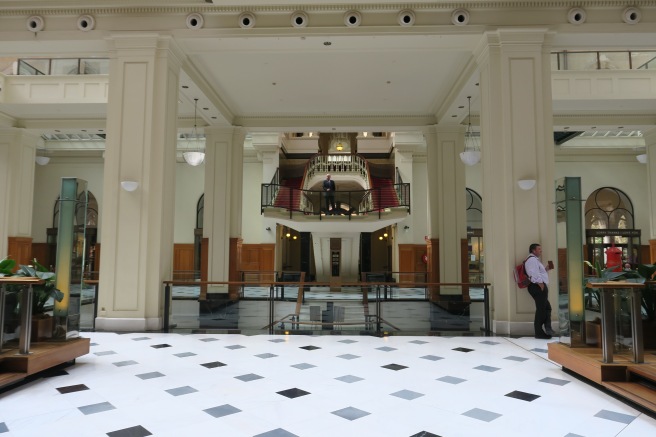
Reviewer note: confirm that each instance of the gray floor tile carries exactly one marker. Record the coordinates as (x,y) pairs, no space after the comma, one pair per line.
(418,342)
(222,410)
(150,375)
(134,431)
(72,388)
(431,357)
(185,354)
(210,339)
(276,433)
(125,363)
(141,338)
(303,366)
(487,368)
(350,413)
(267,355)
(451,379)
(96,408)
(386,349)
(615,416)
(394,367)
(100,354)
(181,390)
(249,377)
(555,381)
(484,415)
(349,379)
(348,356)
(514,358)
(347,341)
(3,428)
(407,394)
(235,347)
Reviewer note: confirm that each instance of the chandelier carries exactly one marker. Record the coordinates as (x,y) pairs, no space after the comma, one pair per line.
(340,141)
(472,153)
(194,155)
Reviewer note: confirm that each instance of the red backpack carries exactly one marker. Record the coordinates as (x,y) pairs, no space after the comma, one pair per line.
(521,278)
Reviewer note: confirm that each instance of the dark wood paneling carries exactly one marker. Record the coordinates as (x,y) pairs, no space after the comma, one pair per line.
(41,251)
(20,249)
(257,257)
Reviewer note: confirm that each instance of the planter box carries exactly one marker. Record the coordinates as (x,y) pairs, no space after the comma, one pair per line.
(42,327)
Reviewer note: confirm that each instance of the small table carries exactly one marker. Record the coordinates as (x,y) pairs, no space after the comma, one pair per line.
(608,314)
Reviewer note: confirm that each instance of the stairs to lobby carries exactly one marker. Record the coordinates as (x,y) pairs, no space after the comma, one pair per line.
(383,193)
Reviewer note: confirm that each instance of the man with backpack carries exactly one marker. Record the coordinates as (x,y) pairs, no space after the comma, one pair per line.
(539,290)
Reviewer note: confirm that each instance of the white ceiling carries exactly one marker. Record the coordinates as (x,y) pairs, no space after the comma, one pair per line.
(325,77)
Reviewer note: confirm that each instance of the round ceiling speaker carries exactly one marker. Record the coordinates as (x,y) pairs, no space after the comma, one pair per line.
(35,23)
(576,16)
(406,18)
(631,15)
(195,21)
(247,20)
(299,19)
(352,19)
(460,17)
(86,23)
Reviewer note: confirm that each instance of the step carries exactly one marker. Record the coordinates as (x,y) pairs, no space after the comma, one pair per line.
(642,371)
(11,378)
(634,392)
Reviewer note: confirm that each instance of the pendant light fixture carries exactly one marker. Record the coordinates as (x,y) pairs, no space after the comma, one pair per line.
(194,155)
(472,153)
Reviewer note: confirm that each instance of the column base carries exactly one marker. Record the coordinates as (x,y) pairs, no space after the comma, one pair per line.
(137,324)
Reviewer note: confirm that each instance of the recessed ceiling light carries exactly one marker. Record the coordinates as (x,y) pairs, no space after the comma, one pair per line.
(57,130)
(206,109)
(453,115)
(566,127)
(213,118)
(388,82)
(327,43)
(476,83)
(84,130)
(593,127)
(185,86)
(274,83)
(461,107)
(620,127)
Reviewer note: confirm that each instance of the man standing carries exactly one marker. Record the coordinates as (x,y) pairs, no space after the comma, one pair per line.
(329,189)
(539,291)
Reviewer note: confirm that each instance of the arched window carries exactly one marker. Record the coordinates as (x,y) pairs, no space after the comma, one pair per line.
(91,220)
(475,254)
(609,224)
(200,207)
(474,209)
(608,208)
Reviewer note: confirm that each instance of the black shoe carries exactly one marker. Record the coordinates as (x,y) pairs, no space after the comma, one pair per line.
(543,335)
(551,332)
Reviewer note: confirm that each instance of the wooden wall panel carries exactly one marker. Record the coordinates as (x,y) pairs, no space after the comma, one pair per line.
(41,251)
(411,260)
(20,249)
(258,257)
(183,261)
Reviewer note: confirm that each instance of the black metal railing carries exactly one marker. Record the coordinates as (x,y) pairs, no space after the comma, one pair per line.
(348,203)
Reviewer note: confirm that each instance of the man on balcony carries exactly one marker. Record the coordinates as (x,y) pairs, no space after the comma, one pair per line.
(329,193)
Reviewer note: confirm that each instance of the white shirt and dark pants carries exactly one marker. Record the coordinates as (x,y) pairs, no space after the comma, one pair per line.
(538,275)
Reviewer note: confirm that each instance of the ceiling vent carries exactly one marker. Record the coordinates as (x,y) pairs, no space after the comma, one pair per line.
(86,23)
(406,18)
(352,19)
(247,20)
(35,23)
(631,15)
(460,17)
(299,19)
(195,21)
(576,16)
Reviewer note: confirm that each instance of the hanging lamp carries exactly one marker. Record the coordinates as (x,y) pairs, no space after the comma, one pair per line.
(194,156)
(472,153)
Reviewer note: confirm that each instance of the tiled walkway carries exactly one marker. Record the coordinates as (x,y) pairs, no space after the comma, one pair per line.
(283,386)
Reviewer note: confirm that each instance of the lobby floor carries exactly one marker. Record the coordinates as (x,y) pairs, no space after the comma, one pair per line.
(314,386)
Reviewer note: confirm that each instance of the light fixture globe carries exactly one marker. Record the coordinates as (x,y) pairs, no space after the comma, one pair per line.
(42,160)
(526,184)
(642,159)
(194,158)
(194,155)
(470,157)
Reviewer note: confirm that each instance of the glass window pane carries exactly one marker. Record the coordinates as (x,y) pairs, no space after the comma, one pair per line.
(554,61)
(94,66)
(643,60)
(64,66)
(614,60)
(580,61)
(31,67)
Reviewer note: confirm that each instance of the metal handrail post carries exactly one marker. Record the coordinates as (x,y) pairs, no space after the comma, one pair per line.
(95,305)
(636,326)
(486,308)
(271,291)
(378,315)
(26,321)
(167,306)
(3,293)
(607,325)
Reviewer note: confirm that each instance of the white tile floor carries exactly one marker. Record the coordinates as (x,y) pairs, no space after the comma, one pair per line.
(283,386)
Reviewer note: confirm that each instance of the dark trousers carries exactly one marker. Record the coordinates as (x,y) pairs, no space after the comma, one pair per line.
(330,201)
(542,308)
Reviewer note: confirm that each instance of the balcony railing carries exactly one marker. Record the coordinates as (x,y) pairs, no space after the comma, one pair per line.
(606,60)
(356,202)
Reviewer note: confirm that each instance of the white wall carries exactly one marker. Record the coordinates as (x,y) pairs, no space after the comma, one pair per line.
(253,227)
(189,186)
(47,186)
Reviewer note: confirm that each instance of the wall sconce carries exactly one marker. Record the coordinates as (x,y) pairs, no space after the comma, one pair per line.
(406,227)
(526,184)
(43,160)
(642,159)
(129,186)
(268,228)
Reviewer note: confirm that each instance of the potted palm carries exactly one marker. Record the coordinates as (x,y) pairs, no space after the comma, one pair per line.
(42,323)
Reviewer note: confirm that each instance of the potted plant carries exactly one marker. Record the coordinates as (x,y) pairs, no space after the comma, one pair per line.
(42,293)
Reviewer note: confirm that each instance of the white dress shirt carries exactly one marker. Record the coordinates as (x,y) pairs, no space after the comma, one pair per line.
(535,270)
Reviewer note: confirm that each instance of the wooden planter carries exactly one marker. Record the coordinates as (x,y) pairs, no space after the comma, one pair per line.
(42,327)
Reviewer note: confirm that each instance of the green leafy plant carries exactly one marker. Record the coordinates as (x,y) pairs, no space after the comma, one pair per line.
(41,292)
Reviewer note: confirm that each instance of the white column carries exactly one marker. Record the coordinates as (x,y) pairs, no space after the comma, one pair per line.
(650,145)
(410,159)
(17,152)
(517,143)
(267,146)
(223,198)
(141,146)
(446,198)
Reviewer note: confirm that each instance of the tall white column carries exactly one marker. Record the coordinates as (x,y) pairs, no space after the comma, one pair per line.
(517,143)
(17,151)
(141,146)
(267,146)
(224,148)
(650,144)
(446,199)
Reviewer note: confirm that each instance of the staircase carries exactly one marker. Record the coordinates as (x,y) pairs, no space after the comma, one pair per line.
(383,193)
(289,195)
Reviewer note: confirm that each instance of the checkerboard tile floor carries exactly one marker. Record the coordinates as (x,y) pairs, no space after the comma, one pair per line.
(283,386)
